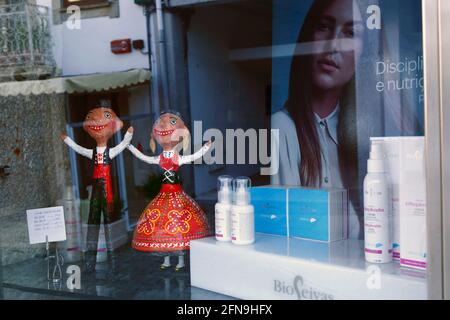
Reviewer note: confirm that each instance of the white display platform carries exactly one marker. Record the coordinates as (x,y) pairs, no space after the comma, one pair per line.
(281,268)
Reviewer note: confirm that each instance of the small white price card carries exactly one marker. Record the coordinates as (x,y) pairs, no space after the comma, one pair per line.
(46,222)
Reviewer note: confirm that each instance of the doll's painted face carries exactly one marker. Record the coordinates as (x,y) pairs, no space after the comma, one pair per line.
(168,130)
(101,124)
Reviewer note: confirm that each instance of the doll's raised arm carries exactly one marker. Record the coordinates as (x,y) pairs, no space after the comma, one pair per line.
(113,152)
(143,157)
(200,153)
(88,153)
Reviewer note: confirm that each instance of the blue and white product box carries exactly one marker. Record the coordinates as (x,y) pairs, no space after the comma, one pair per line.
(318,214)
(313,214)
(270,204)
(413,206)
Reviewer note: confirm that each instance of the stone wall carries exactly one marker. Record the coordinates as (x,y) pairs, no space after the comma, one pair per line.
(39,166)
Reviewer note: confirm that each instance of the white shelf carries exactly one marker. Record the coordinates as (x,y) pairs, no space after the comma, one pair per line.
(282,268)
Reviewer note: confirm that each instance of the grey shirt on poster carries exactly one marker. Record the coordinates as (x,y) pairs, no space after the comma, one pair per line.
(289,156)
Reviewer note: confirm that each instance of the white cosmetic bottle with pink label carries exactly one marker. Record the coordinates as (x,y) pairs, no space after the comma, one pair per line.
(242,213)
(223,209)
(377,208)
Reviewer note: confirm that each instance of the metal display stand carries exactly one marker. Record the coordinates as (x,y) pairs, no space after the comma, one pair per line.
(54,276)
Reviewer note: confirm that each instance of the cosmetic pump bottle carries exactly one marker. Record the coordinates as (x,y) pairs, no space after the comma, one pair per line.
(242,213)
(377,208)
(223,208)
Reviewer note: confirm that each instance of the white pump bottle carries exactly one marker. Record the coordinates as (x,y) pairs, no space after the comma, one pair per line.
(377,208)
(242,213)
(223,209)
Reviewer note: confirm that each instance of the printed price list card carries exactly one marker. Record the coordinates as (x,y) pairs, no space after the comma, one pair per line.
(46,222)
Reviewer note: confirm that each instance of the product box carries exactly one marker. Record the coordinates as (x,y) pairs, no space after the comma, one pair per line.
(313,214)
(318,214)
(270,204)
(413,236)
(391,147)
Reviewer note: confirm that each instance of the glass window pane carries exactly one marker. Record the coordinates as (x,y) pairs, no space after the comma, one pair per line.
(320,104)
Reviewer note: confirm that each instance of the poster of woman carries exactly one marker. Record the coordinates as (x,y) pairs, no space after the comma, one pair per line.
(331,104)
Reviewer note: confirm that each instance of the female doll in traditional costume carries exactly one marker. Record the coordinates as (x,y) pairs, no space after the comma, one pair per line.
(101,124)
(172,218)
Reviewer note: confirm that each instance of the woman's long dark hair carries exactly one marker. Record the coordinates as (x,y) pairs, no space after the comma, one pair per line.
(300,109)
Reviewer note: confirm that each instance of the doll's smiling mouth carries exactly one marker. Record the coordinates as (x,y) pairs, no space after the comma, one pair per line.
(163,133)
(97,128)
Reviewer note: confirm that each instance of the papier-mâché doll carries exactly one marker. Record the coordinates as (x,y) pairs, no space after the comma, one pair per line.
(101,123)
(172,218)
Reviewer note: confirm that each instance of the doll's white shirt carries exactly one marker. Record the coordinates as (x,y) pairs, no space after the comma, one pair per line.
(169,154)
(191,158)
(143,157)
(100,151)
(88,153)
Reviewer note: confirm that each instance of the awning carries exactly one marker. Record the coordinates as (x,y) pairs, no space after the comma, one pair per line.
(76,84)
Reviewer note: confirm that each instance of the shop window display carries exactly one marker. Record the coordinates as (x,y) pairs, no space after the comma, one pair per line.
(340,80)
(307,151)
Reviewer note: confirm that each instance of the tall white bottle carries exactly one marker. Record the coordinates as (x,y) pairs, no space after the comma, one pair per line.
(223,208)
(242,213)
(377,208)
(71,248)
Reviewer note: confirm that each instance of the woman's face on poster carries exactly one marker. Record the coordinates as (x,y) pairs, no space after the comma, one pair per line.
(337,44)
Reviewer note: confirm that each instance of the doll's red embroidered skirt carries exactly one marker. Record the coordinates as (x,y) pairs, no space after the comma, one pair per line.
(169,222)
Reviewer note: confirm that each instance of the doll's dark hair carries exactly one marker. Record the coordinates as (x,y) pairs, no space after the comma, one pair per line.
(170,111)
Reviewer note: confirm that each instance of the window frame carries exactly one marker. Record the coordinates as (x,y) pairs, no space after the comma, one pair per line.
(82,3)
(99,8)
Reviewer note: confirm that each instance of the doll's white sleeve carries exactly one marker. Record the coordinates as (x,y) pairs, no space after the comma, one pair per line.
(143,157)
(88,153)
(113,152)
(191,158)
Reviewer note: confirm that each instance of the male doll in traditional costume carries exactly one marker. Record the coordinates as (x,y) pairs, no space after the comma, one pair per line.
(101,123)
